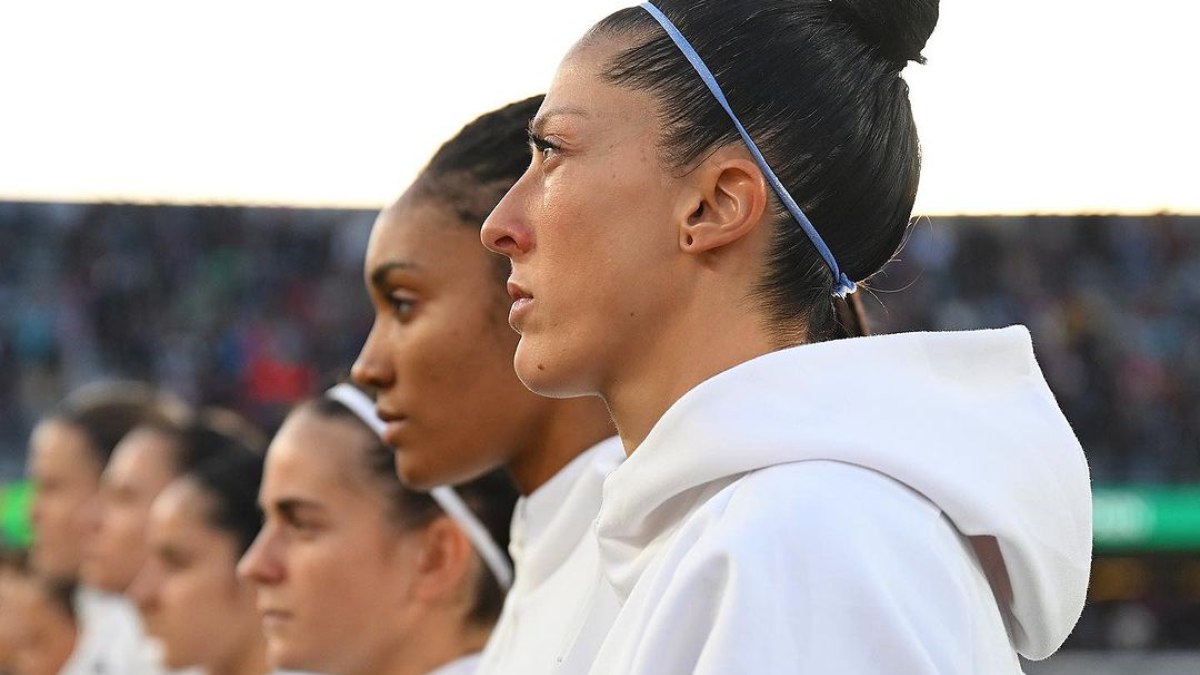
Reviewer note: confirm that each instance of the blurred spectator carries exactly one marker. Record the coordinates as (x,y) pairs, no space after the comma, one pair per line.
(228,306)
(1114,307)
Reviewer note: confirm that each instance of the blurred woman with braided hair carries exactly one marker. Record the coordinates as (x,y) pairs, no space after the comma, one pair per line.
(439,362)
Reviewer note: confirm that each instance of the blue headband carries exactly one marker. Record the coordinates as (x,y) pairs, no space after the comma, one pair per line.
(842,283)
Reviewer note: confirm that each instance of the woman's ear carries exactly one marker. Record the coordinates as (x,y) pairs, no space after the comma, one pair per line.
(445,564)
(728,203)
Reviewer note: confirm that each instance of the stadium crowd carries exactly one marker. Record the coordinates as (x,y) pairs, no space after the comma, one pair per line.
(235,307)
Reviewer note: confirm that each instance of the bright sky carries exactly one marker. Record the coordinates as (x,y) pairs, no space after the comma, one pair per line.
(1025,106)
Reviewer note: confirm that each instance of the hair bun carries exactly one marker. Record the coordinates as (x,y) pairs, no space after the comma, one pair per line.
(899,27)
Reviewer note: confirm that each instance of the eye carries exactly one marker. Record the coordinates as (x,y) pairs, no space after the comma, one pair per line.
(303,529)
(174,561)
(542,146)
(302,526)
(402,306)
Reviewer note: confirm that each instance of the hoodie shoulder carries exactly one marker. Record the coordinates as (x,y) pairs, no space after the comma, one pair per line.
(964,419)
(821,566)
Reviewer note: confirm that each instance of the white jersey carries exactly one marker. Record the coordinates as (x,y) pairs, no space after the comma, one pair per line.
(559,594)
(467,665)
(112,640)
(909,504)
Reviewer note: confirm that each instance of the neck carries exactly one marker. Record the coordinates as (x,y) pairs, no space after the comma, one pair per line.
(433,650)
(697,344)
(571,427)
(249,659)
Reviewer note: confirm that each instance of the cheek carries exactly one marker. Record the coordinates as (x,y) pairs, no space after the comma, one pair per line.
(603,245)
(335,598)
(201,592)
(318,571)
(463,372)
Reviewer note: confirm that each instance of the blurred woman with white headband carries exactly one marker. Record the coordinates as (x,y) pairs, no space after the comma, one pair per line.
(358,575)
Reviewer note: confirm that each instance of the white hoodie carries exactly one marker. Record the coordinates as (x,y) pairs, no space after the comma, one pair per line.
(902,504)
(558,594)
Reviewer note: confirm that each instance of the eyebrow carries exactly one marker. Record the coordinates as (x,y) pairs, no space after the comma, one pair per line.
(380,273)
(539,122)
(289,505)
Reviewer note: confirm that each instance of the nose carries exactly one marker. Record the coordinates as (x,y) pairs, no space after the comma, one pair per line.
(506,230)
(93,517)
(260,565)
(372,369)
(143,592)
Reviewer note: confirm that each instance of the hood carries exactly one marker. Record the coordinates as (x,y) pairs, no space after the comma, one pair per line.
(964,418)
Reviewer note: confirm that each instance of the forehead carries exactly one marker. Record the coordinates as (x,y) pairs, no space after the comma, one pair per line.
(179,512)
(423,232)
(59,447)
(315,457)
(581,95)
(143,453)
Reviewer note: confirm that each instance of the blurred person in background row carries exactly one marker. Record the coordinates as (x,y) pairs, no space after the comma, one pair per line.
(146,460)
(200,525)
(357,574)
(439,359)
(911,503)
(37,619)
(38,614)
(12,567)
(69,452)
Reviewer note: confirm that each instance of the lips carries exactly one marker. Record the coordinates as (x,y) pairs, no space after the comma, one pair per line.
(522,299)
(393,426)
(518,292)
(273,619)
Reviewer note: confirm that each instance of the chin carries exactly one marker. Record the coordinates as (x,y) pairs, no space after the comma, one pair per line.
(417,473)
(283,658)
(547,373)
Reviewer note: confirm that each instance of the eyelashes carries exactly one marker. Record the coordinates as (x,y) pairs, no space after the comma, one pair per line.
(539,145)
(402,307)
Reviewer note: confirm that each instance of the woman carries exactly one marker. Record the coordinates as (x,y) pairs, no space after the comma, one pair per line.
(439,357)
(68,451)
(417,598)
(188,591)
(68,455)
(38,630)
(43,617)
(904,503)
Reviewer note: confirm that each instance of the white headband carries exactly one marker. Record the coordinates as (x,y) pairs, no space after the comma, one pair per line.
(364,408)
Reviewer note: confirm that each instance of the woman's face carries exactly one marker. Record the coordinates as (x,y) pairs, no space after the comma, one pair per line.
(66,477)
(45,634)
(188,592)
(594,257)
(140,468)
(439,355)
(334,575)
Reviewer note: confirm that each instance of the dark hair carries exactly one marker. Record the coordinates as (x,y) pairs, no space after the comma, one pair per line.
(817,85)
(105,412)
(229,472)
(60,593)
(490,497)
(185,455)
(473,171)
